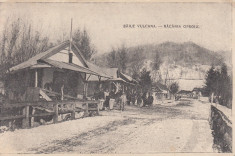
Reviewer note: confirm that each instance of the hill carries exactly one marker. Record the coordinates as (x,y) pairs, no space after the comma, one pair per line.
(184,54)
(187,61)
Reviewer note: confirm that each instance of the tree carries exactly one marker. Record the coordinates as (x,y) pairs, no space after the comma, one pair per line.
(219,83)
(211,81)
(157,61)
(19,43)
(83,42)
(145,80)
(156,74)
(225,87)
(136,63)
(174,88)
(122,53)
(112,59)
(117,58)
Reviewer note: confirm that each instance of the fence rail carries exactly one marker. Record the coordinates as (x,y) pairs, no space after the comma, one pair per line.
(75,106)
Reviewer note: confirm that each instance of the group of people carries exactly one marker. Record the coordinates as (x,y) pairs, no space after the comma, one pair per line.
(140,99)
(121,98)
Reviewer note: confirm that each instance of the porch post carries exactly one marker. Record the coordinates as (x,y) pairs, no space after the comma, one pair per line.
(86,88)
(123,88)
(36,78)
(62,92)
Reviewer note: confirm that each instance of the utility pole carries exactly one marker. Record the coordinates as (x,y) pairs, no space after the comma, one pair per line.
(70,40)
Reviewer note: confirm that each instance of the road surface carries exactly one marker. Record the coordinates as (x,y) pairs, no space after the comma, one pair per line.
(180,126)
(173,127)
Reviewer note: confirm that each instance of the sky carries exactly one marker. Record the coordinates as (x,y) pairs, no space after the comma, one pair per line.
(104,22)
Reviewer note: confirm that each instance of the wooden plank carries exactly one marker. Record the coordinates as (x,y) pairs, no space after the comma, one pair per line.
(25,122)
(12,117)
(65,112)
(73,112)
(66,96)
(92,109)
(86,111)
(55,118)
(36,78)
(41,114)
(44,95)
(98,109)
(32,118)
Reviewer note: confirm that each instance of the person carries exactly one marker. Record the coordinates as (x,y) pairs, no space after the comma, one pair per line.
(112,94)
(199,95)
(107,98)
(144,98)
(133,96)
(150,99)
(123,101)
(128,96)
(139,99)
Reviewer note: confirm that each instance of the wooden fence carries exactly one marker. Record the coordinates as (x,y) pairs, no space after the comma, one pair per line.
(57,108)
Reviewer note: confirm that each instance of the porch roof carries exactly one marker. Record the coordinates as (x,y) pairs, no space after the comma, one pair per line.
(110,73)
(33,60)
(71,66)
(41,61)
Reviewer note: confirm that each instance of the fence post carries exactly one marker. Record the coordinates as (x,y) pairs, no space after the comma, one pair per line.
(32,118)
(55,117)
(86,112)
(98,109)
(73,112)
(25,122)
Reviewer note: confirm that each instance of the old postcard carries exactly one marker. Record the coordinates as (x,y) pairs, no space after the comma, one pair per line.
(116,77)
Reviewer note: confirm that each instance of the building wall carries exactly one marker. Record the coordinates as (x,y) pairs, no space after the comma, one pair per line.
(80,86)
(63,56)
(47,76)
(92,88)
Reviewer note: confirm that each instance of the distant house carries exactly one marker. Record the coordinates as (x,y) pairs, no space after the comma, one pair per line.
(184,93)
(117,80)
(160,92)
(58,73)
(197,92)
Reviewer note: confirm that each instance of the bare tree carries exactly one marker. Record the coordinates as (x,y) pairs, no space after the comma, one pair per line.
(19,44)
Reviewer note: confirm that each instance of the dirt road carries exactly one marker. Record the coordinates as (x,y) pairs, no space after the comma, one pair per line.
(173,127)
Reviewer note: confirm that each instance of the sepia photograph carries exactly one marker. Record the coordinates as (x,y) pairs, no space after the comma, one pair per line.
(116,77)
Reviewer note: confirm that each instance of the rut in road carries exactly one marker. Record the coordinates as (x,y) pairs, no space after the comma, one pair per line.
(108,138)
(68,144)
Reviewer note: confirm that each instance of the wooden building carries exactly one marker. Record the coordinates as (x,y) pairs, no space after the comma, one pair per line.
(117,81)
(160,92)
(58,73)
